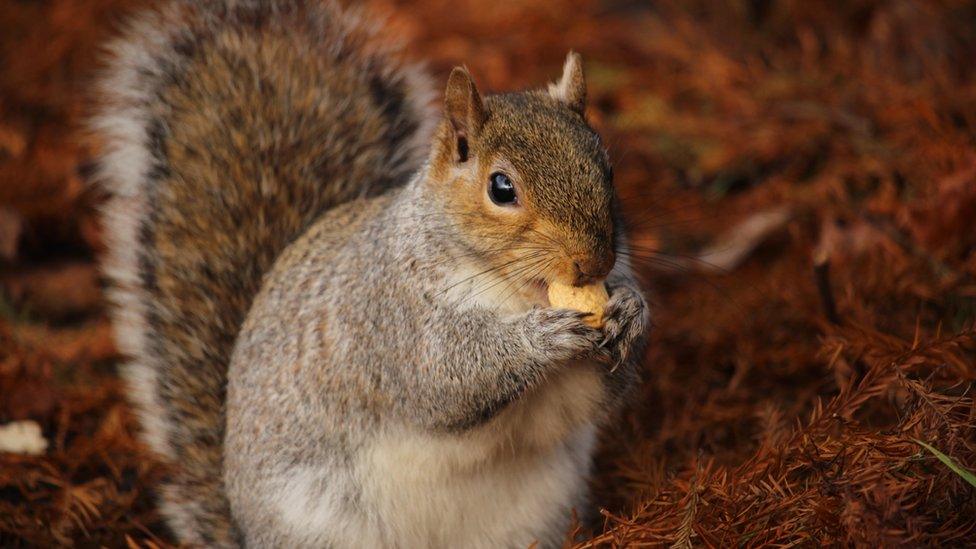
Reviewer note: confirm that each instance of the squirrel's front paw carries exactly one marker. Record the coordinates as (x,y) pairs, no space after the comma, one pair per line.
(625,324)
(561,334)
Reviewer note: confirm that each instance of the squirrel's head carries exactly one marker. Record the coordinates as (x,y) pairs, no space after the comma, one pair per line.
(527,179)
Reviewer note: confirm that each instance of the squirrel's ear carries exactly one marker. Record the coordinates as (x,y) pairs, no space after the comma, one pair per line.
(571,88)
(464,109)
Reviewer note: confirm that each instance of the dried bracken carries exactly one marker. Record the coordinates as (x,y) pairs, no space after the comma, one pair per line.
(784,392)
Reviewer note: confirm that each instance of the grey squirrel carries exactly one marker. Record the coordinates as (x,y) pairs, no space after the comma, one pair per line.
(334,299)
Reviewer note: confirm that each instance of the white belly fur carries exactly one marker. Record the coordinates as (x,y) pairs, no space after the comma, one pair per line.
(506,484)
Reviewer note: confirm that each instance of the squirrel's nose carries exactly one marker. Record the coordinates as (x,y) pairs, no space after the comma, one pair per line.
(593,267)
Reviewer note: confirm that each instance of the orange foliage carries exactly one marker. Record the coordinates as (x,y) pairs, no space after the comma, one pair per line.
(762,420)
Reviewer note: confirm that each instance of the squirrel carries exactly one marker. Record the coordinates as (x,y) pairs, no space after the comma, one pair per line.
(333,297)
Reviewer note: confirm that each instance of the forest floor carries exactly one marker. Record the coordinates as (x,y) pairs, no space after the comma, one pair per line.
(800,182)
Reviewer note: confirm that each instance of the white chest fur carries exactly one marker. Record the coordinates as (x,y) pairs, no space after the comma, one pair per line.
(507,484)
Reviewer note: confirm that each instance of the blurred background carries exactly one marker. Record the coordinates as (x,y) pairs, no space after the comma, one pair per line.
(800,182)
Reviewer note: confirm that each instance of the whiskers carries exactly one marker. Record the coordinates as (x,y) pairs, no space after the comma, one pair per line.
(646,258)
(507,277)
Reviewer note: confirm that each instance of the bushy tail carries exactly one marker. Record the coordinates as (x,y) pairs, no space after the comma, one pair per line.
(229,126)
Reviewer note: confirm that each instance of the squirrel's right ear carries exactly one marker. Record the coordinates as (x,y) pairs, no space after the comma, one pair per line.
(571,88)
(464,109)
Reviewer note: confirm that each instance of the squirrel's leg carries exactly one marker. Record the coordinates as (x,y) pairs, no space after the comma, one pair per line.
(475,362)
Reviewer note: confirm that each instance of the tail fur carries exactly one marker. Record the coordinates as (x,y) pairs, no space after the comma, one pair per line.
(229,126)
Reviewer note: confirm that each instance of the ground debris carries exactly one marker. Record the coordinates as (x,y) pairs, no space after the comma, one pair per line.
(765,417)
(22,437)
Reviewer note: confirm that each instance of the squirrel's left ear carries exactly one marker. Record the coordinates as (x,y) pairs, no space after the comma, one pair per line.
(571,87)
(464,109)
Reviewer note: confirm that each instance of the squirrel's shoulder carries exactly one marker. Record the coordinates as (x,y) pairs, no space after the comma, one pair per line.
(328,251)
(335,230)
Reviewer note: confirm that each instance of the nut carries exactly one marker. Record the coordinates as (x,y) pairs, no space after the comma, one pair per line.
(588,299)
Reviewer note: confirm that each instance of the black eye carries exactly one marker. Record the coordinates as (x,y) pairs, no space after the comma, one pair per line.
(501,190)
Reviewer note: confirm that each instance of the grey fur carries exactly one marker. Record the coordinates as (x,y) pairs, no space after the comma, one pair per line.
(263,237)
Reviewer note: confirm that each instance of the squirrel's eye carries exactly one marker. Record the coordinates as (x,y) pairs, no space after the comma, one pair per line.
(501,190)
